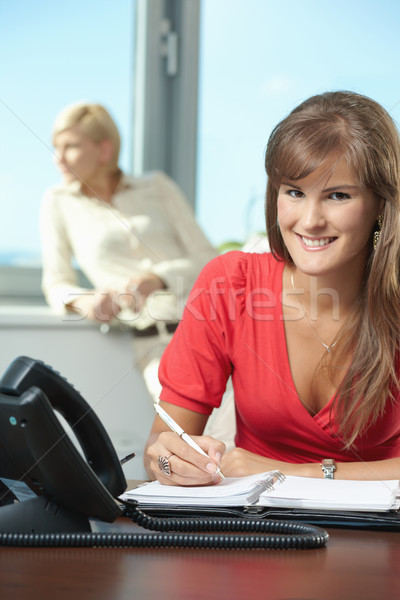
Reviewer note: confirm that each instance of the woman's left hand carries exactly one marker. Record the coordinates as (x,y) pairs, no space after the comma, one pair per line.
(239,462)
(139,288)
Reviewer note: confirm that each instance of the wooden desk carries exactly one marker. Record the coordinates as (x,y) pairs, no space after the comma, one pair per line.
(354,565)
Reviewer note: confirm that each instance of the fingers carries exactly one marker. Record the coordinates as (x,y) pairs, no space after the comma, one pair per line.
(132,298)
(139,288)
(214,448)
(106,306)
(149,283)
(186,466)
(96,305)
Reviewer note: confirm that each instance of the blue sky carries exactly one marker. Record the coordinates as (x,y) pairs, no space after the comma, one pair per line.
(259,58)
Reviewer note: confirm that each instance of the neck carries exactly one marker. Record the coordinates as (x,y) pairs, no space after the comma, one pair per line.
(102,188)
(335,294)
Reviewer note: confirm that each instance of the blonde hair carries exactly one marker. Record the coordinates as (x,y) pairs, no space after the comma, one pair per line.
(351,126)
(95,122)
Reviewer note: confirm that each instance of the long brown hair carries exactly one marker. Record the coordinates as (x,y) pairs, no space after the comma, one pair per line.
(357,128)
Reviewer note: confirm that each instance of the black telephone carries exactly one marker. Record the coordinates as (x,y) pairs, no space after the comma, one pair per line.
(34,448)
(68,490)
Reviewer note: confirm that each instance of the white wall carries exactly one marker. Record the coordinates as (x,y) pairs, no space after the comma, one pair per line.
(98,365)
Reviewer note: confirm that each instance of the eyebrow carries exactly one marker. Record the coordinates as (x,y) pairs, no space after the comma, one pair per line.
(342,186)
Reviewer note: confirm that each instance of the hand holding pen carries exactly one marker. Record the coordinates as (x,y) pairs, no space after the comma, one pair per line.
(163,461)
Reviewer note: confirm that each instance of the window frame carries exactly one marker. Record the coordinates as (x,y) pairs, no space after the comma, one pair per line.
(166,90)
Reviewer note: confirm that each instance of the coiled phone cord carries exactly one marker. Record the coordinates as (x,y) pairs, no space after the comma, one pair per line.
(283,535)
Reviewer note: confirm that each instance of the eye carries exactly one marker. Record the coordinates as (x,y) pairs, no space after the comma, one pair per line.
(339,196)
(295,193)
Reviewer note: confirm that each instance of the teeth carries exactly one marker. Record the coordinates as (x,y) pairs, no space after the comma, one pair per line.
(316,243)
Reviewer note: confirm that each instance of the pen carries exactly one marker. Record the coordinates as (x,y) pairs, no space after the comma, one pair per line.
(184,436)
(126,458)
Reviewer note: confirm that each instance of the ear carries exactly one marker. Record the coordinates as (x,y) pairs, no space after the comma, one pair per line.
(106,153)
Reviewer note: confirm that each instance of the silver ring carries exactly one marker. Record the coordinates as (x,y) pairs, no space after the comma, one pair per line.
(163,464)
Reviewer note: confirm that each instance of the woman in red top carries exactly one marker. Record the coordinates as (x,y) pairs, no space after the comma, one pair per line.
(309,333)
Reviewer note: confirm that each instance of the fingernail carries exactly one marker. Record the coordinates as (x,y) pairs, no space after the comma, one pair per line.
(211,467)
(218,457)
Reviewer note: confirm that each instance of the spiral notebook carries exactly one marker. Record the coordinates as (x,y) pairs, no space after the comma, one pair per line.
(272,489)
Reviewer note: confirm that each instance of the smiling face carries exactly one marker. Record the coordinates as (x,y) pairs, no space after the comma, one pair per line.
(326,220)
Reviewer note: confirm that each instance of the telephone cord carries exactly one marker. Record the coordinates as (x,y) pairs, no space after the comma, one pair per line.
(264,534)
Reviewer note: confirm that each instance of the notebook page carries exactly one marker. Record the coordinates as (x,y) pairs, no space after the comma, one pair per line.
(232,491)
(305,492)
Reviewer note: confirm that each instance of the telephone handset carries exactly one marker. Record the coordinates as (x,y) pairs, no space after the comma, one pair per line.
(35,449)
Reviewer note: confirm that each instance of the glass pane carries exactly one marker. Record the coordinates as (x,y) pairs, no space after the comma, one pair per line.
(53,54)
(258,60)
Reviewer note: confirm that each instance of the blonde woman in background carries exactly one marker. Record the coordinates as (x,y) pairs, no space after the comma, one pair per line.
(135,238)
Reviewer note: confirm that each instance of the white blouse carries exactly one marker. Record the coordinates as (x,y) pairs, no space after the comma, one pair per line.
(148,227)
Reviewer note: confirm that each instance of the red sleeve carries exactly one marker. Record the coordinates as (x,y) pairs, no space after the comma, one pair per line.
(196,364)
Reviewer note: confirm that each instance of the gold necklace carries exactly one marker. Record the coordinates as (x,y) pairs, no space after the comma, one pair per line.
(327,347)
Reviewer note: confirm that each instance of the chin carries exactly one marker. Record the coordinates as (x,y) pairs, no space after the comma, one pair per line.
(68,177)
(314,268)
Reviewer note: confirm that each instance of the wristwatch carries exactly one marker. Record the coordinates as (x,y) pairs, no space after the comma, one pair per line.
(329,467)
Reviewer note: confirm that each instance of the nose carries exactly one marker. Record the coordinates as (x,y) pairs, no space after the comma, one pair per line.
(314,214)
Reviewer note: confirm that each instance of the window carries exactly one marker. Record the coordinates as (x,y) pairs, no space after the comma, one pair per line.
(53,54)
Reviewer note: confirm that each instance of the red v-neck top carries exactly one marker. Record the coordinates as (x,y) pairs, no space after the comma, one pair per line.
(233,325)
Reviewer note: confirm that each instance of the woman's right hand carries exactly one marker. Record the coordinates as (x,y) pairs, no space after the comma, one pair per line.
(187,466)
(96,305)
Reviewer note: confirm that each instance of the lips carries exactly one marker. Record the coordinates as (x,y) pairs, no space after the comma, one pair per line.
(317,242)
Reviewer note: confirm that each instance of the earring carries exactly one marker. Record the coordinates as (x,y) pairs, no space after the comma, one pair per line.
(377,233)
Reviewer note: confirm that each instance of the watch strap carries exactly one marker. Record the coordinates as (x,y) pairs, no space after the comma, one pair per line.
(329,467)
